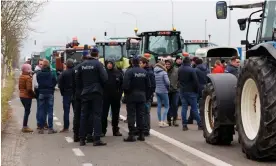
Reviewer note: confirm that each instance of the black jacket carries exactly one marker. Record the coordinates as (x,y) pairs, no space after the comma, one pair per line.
(91,77)
(136,85)
(152,81)
(76,86)
(188,79)
(65,82)
(113,86)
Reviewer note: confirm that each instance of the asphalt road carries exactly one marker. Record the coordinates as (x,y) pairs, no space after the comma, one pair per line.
(194,138)
(165,146)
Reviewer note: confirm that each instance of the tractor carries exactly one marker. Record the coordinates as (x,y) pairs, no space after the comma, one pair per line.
(160,45)
(247,101)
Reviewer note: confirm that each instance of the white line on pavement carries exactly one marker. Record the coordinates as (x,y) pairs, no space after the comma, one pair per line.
(69,139)
(187,148)
(78,152)
(55,118)
(87,164)
(58,123)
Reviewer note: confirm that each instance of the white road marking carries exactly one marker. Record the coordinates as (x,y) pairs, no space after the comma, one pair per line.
(69,139)
(87,164)
(58,123)
(78,152)
(187,148)
(55,118)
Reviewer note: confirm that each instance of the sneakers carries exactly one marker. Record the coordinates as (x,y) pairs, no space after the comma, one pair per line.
(185,128)
(64,131)
(26,130)
(163,124)
(52,131)
(175,124)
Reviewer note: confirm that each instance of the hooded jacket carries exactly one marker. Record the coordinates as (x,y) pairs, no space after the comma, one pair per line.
(232,70)
(173,77)
(46,81)
(161,79)
(25,86)
(202,71)
(113,86)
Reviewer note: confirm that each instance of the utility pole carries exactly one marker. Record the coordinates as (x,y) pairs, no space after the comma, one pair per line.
(205,29)
(229,28)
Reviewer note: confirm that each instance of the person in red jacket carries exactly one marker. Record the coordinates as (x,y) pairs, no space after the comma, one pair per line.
(218,67)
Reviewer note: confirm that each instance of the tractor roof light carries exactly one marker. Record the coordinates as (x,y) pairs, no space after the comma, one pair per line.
(174,29)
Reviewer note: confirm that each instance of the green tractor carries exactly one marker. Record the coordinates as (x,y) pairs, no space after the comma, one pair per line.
(249,101)
(113,50)
(160,45)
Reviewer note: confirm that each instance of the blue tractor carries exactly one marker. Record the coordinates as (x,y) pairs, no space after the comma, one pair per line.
(249,100)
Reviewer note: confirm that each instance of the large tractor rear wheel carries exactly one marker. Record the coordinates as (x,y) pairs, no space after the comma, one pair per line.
(256,108)
(213,131)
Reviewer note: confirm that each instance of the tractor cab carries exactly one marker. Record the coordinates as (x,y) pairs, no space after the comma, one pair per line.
(190,46)
(160,45)
(132,46)
(113,50)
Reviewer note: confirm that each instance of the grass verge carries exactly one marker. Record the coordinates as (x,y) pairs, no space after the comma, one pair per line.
(6,95)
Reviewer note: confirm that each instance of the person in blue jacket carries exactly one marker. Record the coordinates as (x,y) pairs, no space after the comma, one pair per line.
(46,86)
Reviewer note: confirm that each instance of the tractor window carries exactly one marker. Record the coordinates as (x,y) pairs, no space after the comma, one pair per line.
(269,22)
(163,44)
(111,52)
(191,48)
(76,56)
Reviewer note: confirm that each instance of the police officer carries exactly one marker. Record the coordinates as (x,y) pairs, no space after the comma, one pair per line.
(77,89)
(112,97)
(136,86)
(92,75)
(130,66)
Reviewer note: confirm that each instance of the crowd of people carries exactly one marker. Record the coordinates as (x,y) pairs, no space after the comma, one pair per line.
(92,88)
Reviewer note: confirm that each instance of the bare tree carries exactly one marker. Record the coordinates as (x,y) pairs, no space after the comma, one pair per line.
(15,18)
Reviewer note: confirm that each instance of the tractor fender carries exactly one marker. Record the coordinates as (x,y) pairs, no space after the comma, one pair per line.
(266,49)
(225,91)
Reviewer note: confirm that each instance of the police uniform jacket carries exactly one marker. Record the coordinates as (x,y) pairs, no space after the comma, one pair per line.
(91,76)
(136,85)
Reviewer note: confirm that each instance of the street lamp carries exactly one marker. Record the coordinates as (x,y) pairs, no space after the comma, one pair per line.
(172,17)
(136,25)
(114,25)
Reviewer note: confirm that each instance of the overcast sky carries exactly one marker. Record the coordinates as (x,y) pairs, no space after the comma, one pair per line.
(59,21)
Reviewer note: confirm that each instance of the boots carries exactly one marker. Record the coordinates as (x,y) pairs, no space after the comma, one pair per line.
(89,138)
(175,124)
(116,131)
(82,142)
(98,142)
(141,136)
(76,138)
(130,138)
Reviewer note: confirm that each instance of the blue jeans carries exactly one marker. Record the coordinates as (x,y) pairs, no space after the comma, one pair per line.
(173,100)
(27,103)
(67,100)
(46,103)
(189,98)
(162,98)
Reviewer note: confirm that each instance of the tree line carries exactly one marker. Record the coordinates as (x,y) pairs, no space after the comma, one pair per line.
(15,19)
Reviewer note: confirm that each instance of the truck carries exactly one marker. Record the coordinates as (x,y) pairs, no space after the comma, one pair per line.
(34,59)
(247,101)
(160,45)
